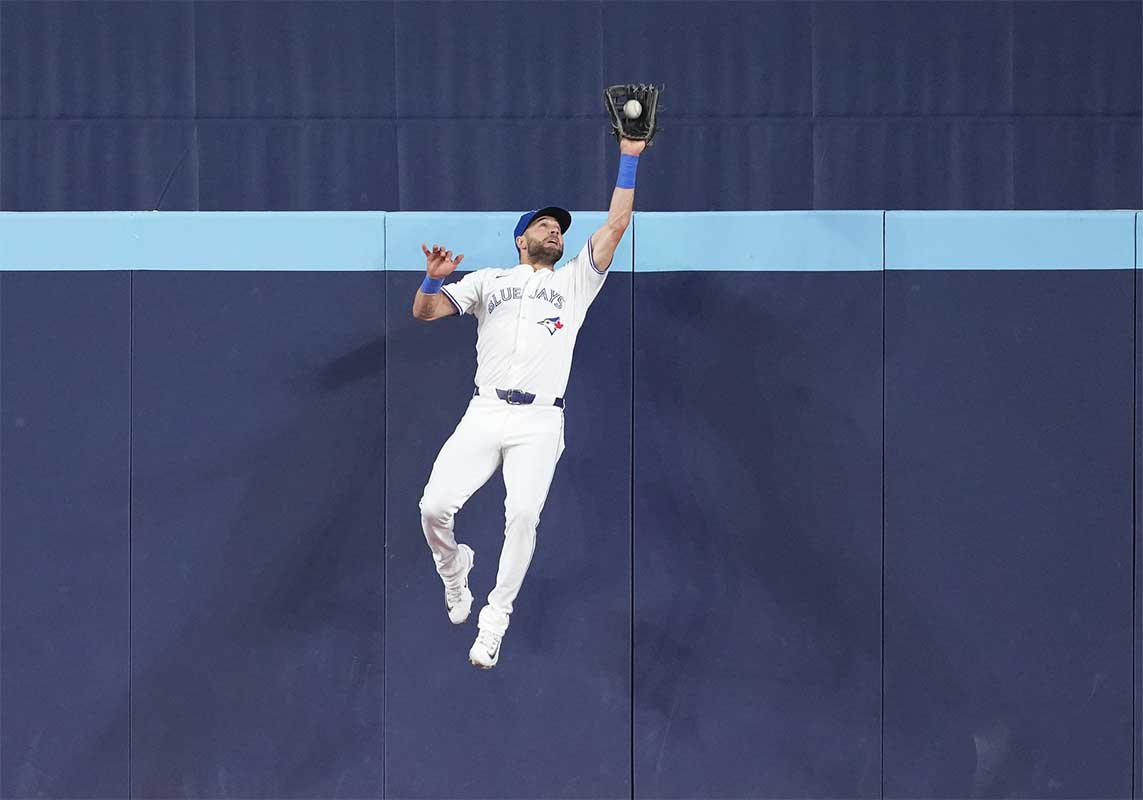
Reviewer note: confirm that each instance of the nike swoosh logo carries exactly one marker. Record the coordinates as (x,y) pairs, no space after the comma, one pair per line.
(498,277)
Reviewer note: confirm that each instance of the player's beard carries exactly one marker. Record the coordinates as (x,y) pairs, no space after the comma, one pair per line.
(542,253)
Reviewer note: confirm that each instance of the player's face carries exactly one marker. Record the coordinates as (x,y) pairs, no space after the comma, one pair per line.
(545,240)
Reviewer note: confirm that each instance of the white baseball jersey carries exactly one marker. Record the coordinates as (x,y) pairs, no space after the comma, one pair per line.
(527,321)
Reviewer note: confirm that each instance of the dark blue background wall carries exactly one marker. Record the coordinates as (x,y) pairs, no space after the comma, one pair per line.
(847,512)
(65,563)
(481,106)
(998,410)
(830,599)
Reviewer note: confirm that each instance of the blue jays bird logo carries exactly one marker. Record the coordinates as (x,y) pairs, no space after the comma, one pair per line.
(553,324)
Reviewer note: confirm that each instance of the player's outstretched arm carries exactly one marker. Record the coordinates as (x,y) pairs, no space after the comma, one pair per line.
(606,239)
(429,303)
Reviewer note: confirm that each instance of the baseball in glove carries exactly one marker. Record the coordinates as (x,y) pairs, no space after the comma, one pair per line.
(632,108)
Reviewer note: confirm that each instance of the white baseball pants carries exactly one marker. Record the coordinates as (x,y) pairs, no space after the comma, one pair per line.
(528,441)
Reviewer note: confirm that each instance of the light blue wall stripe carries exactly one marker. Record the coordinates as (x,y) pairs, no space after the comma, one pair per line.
(765,241)
(702,241)
(485,238)
(996,240)
(232,241)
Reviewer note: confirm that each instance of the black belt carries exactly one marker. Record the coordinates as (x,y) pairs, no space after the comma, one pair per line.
(516,397)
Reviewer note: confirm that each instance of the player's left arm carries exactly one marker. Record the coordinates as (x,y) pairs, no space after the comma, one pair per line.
(606,239)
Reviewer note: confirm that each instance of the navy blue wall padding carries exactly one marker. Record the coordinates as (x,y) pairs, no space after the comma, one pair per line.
(915,163)
(1008,528)
(479,60)
(296,165)
(1077,58)
(720,60)
(295,60)
(553,719)
(1078,162)
(64,536)
(482,105)
(888,59)
(523,164)
(96,60)
(257,557)
(771,161)
(757,534)
(98,164)
(1138,729)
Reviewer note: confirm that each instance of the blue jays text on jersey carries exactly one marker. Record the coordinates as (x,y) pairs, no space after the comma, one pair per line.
(527,321)
(507,295)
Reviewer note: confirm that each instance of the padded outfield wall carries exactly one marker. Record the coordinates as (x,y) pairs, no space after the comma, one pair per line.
(316,105)
(847,511)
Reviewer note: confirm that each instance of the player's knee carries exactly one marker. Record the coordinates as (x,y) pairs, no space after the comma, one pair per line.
(435,510)
(521,518)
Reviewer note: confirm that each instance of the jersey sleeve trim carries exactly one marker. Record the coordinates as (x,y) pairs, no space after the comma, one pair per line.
(456,305)
(591,258)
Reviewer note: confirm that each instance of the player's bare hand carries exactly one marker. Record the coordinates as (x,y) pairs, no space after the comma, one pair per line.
(631,147)
(439,262)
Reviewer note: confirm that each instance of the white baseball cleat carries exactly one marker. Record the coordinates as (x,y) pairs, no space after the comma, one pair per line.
(458,599)
(485,650)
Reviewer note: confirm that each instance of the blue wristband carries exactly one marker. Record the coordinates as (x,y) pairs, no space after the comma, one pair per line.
(432,285)
(627,166)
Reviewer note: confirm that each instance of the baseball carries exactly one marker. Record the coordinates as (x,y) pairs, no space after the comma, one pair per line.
(632,108)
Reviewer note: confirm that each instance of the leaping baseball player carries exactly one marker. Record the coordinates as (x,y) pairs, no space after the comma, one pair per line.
(527,318)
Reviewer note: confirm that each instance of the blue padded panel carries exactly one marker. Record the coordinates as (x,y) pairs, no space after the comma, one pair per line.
(912,163)
(553,719)
(309,165)
(912,58)
(1138,728)
(1008,516)
(103,165)
(724,59)
(481,60)
(485,239)
(1077,162)
(346,241)
(1077,57)
(1027,240)
(64,534)
(729,165)
(298,60)
(96,59)
(258,557)
(757,534)
(794,241)
(502,165)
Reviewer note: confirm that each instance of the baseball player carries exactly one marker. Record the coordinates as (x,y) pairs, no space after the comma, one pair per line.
(527,319)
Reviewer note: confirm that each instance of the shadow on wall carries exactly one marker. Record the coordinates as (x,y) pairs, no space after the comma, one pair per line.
(258,577)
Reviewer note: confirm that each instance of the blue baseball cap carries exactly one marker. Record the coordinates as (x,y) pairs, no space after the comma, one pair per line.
(561,216)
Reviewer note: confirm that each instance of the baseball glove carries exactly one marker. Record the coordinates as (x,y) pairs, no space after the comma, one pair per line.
(639,125)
